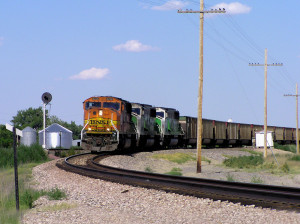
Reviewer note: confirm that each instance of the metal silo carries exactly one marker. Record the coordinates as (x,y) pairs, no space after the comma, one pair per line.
(29,136)
(56,137)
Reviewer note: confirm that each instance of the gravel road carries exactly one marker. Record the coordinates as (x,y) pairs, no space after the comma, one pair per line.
(96,201)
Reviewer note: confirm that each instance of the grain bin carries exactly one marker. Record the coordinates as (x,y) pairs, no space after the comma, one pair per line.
(57,136)
(29,136)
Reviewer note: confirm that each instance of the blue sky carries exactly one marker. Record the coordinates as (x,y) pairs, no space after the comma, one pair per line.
(144,51)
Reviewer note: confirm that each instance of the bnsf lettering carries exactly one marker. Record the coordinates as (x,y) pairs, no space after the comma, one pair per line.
(99,122)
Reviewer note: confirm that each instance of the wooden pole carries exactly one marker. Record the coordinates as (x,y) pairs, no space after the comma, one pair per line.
(200,93)
(265,113)
(200,89)
(265,126)
(297,127)
(297,130)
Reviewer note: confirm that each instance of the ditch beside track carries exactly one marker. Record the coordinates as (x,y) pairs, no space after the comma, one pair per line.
(268,196)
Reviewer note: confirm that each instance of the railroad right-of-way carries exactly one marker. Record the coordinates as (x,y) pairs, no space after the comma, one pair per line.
(279,197)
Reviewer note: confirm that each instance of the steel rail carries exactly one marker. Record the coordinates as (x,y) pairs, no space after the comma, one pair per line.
(270,196)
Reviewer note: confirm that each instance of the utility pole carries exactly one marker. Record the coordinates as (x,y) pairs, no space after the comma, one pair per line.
(200,92)
(297,130)
(265,115)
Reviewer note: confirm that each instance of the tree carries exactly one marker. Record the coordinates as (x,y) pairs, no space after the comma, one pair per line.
(32,117)
(6,137)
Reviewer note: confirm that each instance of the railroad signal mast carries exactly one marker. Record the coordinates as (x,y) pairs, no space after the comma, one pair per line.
(46,98)
(200,93)
(297,130)
(266,69)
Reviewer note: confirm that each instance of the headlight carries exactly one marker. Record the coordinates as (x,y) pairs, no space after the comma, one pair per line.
(100,112)
(108,129)
(89,129)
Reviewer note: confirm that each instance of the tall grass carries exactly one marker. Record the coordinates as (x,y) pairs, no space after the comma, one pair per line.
(27,195)
(8,213)
(289,148)
(175,171)
(25,154)
(28,157)
(176,157)
(244,161)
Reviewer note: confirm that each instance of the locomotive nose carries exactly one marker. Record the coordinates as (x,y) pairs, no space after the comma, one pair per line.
(102,120)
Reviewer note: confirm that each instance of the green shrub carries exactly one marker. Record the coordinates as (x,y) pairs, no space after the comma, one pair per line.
(269,166)
(56,194)
(63,154)
(295,158)
(230,177)
(25,154)
(175,171)
(71,151)
(176,157)
(285,168)
(256,180)
(148,169)
(205,159)
(243,161)
(289,148)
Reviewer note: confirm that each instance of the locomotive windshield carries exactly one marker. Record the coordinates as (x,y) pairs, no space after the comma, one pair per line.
(152,112)
(92,104)
(160,114)
(115,106)
(176,115)
(136,111)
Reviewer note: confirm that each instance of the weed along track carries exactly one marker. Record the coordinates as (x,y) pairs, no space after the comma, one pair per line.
(268,196)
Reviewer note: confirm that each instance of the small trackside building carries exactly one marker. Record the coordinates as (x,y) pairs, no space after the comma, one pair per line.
(57,136)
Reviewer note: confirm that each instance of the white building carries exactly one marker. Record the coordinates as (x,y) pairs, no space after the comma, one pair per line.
(259,139)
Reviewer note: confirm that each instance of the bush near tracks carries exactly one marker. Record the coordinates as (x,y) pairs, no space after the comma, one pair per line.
(283,164)
(179,158)
(288,148)
(175,171)
(244,161)
(25,154)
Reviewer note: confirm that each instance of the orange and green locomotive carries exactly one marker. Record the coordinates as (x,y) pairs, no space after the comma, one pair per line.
(111,123)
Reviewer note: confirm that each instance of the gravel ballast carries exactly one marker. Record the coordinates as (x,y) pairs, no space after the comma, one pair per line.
(97,201)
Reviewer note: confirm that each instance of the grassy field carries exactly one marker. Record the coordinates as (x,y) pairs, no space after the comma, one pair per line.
(288,148)
(280,164)
(179,158)
(28,157)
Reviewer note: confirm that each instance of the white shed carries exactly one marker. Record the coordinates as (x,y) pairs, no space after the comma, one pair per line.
(259,139)
(57,136)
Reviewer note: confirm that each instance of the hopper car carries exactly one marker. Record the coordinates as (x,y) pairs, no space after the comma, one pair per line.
(111,123)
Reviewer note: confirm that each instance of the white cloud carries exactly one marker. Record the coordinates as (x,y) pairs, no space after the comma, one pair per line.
(233,8)
(92,73)
(134,46)
(170,5)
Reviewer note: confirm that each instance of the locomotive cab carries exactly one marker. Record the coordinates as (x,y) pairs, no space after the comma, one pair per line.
(107,124)
(143,118)
(167,119)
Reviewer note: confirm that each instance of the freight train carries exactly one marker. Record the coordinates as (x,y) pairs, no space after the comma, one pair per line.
(111,123)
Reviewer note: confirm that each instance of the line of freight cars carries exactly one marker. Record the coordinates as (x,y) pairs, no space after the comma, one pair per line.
(230,133)
(111,123)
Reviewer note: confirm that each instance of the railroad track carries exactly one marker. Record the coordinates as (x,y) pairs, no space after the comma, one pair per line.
(268,196)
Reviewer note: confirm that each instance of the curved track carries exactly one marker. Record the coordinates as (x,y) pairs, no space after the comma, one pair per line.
(279,197)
